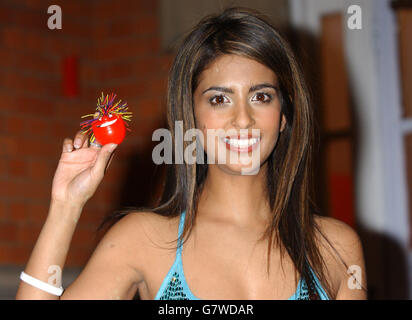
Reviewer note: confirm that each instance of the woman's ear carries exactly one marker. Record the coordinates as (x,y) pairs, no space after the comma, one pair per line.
(283,123)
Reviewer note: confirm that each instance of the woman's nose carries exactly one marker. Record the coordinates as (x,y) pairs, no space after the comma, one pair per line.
(243,117)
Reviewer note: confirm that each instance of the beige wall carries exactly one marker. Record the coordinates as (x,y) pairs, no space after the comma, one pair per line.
(178,16)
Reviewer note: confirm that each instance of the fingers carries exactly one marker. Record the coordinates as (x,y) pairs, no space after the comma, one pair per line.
(67,145)
(85,143)
(103,159)
(80,140)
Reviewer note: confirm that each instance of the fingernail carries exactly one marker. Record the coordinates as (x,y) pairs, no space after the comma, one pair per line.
(112,147)
(69,148)
(77,143)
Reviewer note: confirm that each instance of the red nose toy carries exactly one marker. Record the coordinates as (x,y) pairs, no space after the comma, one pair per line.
(109,129)
(108,124)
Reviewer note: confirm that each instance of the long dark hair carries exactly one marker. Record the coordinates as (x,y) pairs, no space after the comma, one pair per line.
(289,169)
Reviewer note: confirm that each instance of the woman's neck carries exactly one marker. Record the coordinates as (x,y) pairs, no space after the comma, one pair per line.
(237,199)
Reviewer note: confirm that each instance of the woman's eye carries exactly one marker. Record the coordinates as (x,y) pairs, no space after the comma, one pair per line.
(262,97)
(218,100)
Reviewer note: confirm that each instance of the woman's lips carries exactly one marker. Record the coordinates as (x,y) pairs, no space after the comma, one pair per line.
(241,143)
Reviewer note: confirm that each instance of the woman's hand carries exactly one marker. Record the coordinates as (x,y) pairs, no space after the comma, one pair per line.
(80,170)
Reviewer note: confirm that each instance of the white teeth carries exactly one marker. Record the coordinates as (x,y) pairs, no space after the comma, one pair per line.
(241,143)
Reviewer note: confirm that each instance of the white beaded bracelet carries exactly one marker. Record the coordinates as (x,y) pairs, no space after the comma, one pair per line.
(41,285)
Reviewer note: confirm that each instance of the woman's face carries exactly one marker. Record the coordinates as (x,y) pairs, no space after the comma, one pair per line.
(238,95)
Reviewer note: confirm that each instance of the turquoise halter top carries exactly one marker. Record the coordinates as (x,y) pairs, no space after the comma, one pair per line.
(175,287)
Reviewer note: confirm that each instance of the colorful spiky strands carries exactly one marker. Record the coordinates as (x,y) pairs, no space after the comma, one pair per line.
(109,121)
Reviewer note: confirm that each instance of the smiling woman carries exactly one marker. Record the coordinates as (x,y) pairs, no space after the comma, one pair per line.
(235,72)
(245,98)
(253,236)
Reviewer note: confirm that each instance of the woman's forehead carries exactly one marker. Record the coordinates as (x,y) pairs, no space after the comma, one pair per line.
(236,69)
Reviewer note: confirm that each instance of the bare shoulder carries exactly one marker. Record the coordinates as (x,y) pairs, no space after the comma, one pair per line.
(338,232)
(116,268)
(143,230)
(342,250)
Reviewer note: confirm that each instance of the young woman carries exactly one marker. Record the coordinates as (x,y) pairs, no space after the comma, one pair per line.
(218,233)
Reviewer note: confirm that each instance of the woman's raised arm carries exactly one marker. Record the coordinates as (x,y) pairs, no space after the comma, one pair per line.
(79,172)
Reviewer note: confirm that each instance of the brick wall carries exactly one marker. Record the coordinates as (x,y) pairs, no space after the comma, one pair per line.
(116,45)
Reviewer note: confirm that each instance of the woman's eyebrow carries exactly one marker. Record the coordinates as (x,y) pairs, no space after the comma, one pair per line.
(221,89)
(262,86)
(252,89)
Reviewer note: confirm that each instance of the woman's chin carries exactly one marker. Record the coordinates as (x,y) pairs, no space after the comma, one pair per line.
(246,163)
(240,169)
